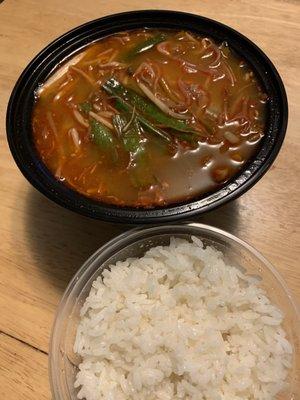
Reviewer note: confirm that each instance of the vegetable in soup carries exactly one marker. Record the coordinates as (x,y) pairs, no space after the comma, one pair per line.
(146,118)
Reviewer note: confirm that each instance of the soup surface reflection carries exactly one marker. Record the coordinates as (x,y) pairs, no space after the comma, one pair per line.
(146,118)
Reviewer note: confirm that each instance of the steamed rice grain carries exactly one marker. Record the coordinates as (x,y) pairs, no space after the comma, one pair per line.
(180,323)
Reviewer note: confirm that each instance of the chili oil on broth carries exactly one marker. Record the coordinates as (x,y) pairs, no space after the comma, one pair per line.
(204,86)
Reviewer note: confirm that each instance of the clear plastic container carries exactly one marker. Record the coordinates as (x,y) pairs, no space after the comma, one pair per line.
(63,362)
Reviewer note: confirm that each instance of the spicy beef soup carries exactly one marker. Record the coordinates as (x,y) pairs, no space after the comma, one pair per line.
(146,118)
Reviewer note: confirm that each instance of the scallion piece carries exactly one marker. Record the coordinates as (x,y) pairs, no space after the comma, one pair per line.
(144,46)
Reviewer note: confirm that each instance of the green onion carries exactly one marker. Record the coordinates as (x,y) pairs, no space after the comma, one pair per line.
(140,173)
(85,107)
(121,105)
(144,46)
(131,138)
(118,123)
(146,107)
(103,137)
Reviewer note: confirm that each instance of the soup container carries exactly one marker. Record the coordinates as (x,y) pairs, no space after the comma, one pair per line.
(19,131)
(63,362)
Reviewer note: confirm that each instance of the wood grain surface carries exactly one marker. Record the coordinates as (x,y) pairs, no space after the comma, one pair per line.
(42,245)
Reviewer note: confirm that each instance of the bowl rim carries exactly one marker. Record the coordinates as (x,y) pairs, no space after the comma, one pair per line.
(38,175)
(125,238)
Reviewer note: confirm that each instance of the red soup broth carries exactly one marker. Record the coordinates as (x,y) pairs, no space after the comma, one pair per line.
(149,117)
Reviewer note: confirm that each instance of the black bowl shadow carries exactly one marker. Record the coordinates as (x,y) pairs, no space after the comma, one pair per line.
(61,240)
(225,217)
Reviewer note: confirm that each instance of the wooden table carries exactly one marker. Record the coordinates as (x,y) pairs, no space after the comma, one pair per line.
(42,245)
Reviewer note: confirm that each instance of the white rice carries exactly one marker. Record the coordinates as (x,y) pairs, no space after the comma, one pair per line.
(180,323)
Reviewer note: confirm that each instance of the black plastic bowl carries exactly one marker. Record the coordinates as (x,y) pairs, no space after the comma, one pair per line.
(22,100)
